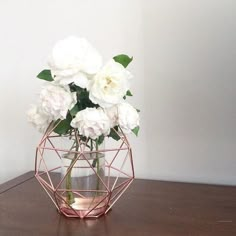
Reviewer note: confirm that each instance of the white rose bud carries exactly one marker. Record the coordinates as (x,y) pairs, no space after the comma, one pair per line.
(74,60)
(109,85)
(128,117)
(91,123)
(56,101)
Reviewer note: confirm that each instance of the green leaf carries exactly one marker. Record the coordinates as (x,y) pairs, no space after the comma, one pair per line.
(45,75)
(74,110)
(63,126)
(136,130)
(128,93)
(114,135)
(100,139)
(84,101)
(123,59)
(75,88)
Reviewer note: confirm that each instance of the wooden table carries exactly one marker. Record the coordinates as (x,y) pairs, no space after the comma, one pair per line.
(149,208)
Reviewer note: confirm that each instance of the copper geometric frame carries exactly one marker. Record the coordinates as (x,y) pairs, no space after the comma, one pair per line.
(114,184)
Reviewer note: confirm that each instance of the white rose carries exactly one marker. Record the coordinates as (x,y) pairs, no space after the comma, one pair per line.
(38,119)
(74,60)
(128,117)
(91,123)
(112,113)
(56,101)
(109,85)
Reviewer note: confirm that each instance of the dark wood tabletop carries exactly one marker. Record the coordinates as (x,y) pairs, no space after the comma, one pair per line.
(147,208)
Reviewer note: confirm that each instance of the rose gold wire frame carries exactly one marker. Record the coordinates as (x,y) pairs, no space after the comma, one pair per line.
(113,188)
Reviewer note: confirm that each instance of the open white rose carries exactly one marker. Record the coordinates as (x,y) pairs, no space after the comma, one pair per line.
(91,123)
(56,101)
(38,119)
(128,117)
(109,85)
(74,60)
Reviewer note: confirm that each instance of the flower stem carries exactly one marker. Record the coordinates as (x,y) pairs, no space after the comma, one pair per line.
(70,196)
(98,166)
(96,163)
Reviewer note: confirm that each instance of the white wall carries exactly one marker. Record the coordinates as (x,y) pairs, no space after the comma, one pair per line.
(184,55)
(191,56)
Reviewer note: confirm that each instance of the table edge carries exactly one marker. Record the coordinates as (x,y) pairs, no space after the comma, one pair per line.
(16,181)
(31,174)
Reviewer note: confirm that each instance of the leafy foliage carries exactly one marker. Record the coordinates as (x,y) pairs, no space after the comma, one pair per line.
(63,126)
(136,130)
(100,139)
(113,134)
(74,110)
(83,100)
(45,75)
(128,93)
(123,59)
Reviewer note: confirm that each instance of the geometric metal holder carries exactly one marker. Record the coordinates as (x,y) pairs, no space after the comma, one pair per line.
(91,202)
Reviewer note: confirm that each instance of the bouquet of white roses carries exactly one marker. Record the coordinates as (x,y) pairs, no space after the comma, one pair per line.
(85,101)
(84,95)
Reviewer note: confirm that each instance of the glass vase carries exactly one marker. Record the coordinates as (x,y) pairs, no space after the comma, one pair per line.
(83,176)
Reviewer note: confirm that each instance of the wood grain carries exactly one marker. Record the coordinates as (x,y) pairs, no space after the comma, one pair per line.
(148,208)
